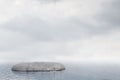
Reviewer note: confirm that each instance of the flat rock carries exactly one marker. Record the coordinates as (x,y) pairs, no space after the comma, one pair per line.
(38,67)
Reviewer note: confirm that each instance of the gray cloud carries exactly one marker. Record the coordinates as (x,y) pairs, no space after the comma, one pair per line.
(12,39)
(110,14)
(48,31)
(70,29)
(43,31)
(49,1)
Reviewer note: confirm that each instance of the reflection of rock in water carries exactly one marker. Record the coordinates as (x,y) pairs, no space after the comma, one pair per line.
(40,75)
(39,71)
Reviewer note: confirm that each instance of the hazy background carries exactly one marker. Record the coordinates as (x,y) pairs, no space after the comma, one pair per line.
(60,30)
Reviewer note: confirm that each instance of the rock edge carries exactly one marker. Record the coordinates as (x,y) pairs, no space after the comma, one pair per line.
(38,67)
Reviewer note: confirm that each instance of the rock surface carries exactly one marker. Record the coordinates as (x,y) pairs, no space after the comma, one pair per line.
(38,67)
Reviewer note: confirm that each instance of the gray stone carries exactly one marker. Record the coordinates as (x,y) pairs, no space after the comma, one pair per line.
(38,67)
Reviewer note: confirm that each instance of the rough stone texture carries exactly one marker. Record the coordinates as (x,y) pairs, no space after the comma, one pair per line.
(38,67)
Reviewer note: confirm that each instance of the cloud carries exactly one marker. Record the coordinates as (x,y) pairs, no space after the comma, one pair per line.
(110,14)
(102,48)
(44,31)
(78,30)
(11,39)
(96,49)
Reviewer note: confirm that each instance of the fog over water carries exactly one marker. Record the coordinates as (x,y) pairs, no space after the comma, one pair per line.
(60,30)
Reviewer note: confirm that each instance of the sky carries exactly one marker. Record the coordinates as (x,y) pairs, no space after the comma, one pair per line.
(60,30)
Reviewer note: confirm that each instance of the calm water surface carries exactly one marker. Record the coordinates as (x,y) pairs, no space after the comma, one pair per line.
(72,72)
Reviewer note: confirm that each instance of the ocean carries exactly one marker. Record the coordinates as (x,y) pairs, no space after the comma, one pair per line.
(72,72)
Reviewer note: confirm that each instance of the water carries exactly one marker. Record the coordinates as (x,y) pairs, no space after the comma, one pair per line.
(72,72)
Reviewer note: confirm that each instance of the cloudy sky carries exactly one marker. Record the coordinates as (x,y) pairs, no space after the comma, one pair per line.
(60,30)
